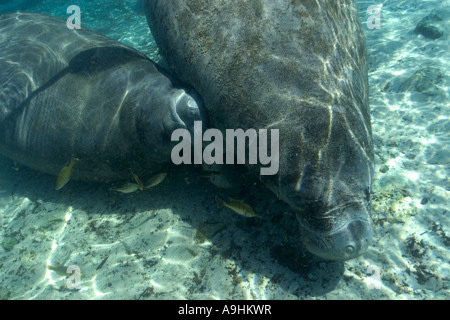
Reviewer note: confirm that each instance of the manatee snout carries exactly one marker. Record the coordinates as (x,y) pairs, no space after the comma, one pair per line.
(183,107)
(333,213)
(342,233)
(164,109)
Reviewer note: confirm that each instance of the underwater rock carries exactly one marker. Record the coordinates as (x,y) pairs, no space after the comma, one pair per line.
(424,80)
(8,243)
(432,26)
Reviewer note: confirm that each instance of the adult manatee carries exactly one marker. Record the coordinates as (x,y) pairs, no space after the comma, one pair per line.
(67,93)
(294,65)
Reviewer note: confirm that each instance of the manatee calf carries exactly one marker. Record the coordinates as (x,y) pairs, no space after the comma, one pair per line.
(294,65)
(67,93)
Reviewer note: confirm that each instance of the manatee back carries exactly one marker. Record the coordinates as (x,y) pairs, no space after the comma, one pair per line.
(36,51)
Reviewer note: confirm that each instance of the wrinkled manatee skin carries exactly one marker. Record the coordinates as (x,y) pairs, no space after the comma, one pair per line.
(294,65)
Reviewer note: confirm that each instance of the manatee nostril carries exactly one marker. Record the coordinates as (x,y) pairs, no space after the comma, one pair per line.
(347,241)
(349,249)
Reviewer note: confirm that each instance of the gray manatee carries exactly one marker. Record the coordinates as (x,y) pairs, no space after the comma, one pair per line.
(67,93)
(294,65)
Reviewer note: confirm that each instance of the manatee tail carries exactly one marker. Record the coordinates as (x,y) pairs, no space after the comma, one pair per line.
(220,202)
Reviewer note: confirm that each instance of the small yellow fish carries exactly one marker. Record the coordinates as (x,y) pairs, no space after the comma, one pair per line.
(15,167)
(220,180)
(155,180)
(60,269)
(237,206)
(138,181)
(65,173)
(127,188)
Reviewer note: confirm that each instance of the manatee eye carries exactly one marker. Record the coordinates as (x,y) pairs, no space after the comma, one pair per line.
(349,249)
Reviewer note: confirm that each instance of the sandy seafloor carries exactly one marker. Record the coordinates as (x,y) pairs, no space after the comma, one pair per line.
(172,242)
